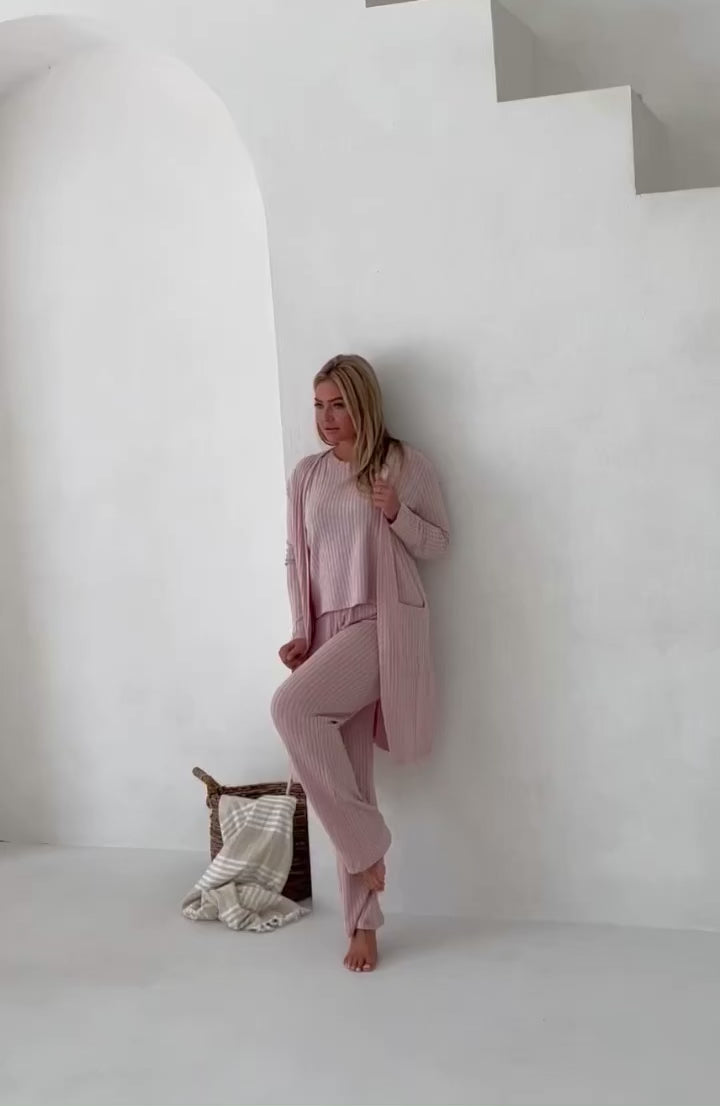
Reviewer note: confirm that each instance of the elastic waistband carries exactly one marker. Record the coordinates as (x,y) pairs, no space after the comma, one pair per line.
(338,620)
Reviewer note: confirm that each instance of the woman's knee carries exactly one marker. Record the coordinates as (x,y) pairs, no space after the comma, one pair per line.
(286,709)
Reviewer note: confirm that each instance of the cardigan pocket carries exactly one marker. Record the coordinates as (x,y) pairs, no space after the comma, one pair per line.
(409,588)
(410,633)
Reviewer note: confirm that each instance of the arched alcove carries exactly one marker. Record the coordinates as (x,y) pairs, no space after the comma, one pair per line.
(141,444)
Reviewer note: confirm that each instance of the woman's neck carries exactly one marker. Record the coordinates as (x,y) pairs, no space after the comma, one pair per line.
(345,451)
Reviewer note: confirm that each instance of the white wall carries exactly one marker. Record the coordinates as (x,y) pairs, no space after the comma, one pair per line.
(552,341)
(141,451)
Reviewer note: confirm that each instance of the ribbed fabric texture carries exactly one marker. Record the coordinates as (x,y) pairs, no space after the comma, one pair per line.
(324,713)
(342,552)
(341,527)
(341,533)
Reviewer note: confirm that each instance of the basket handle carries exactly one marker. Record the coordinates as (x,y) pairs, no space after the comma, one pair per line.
(212,785)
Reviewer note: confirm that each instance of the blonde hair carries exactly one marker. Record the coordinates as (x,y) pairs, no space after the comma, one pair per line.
(355,379)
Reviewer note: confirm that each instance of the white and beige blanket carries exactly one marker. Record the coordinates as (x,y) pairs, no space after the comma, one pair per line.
(242,885)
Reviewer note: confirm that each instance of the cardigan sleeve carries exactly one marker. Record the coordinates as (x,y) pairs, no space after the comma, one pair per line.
(422,523)
(293,586)
(293,582)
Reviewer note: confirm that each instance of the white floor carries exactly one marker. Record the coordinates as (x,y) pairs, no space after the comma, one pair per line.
(108,995)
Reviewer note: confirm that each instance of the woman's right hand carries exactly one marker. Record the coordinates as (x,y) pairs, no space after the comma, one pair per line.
(293,653)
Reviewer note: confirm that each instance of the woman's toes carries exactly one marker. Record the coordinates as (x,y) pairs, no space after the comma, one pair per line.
(362,954)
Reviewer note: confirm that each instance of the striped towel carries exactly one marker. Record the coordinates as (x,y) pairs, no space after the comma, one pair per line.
(242,885)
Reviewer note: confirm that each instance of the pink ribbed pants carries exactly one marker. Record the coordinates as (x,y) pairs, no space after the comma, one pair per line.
(325,714)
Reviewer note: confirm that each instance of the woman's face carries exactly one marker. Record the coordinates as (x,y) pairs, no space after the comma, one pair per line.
(332,417)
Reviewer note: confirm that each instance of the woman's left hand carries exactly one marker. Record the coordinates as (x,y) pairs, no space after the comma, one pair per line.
(386,499)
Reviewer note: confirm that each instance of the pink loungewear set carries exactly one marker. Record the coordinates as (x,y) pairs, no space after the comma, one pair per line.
(357,599)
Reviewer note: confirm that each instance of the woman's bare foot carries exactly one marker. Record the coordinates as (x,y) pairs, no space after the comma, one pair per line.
(362,956)
(375,876)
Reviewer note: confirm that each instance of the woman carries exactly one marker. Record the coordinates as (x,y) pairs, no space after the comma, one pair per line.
(359,513)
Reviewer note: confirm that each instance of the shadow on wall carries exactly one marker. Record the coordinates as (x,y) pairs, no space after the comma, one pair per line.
(26,788)
(507,628)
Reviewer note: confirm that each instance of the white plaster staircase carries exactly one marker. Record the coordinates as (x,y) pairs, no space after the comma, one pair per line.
(525,69)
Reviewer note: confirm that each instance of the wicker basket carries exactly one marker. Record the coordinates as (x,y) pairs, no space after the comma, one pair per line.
(299,883)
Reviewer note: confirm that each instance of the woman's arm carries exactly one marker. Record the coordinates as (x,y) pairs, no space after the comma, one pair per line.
(421,523)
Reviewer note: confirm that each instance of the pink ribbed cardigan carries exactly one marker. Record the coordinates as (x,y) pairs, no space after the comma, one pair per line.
(405,716)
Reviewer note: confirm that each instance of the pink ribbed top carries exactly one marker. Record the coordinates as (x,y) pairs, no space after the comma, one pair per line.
(342,537)
(341,534)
